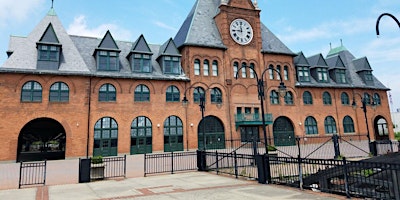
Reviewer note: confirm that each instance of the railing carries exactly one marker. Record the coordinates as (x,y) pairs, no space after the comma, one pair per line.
(114,167)
(242,165)
(32,173)
(170,162)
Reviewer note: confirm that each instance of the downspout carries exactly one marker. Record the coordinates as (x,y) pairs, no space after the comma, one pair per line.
(88,117)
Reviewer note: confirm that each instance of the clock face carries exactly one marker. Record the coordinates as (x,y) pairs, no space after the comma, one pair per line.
(241,31)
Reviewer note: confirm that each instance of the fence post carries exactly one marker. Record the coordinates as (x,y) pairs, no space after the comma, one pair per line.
(172,162)
(335,139)
(216,158)
(300,172)
(201,160)
(260,160)
(396,182)
(235,161)
(346,180)
(125,166)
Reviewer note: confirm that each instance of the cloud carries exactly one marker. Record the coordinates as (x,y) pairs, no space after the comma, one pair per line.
(12,11)
(165,26)
(79,27)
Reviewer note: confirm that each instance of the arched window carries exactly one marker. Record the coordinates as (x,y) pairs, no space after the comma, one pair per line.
(274,97)
(198,93)
(286,73)
(330,125)
(278,73)
(326,98)
(206,68)
(289,98)
(216,95)
(107,92)
(367,99)
(311,126)
(215,68)
(345,98)
(173,134)
(271,72)
(142,93)
(105,137)
(141,135)
(244,70)
(235,69)
(59,92)
(307,98)
(348,125)
(172,94)
(377,99)
(31,92)
(196,67)
(252,71)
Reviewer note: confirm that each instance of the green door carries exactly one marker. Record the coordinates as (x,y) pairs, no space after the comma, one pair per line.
(105,137)
(211,133)
(141,145)
(173,143)
(283,132)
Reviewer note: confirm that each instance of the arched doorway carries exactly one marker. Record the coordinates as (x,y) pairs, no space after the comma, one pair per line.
(211,133)
(41,139)
(283,132)
(381,128)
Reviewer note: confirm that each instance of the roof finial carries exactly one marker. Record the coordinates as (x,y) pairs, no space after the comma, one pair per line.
(330,45)
(341,42)
(52,3)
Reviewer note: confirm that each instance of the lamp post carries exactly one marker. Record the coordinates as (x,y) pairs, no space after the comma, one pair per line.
(261,97)
(364,108)
(379,19)
(202,109)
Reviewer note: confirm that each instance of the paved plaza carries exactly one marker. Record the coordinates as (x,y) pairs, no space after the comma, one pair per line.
(185,186)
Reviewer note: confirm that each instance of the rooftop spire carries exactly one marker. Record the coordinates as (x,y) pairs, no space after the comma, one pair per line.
(51,11)
(52,3)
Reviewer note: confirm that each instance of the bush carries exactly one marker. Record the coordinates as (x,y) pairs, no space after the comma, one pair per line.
(97,159)
(397,136)
(271,148)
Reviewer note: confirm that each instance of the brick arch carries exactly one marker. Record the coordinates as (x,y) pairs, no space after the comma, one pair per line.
(101,82)
(27,78)
(149,84)
(69,82)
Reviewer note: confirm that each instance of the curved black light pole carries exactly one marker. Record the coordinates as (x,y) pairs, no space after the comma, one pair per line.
(379,19)
(261,96)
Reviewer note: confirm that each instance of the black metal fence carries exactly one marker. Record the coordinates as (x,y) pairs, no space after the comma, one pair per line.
(242,165)
(32,173)
(170,162)
(114,166)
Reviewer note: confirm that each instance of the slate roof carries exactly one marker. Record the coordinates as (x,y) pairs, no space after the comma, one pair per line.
(200,29)
(77,54)
(350,64)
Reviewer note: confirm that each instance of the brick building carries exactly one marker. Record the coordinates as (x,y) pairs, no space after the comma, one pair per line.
(66,96)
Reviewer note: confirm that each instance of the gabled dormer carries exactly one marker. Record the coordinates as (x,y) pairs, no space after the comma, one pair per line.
(169,58)
(364,70)
(107,54)
(302,68)
(140,56)
(319,68)
(48,50)
(337,69)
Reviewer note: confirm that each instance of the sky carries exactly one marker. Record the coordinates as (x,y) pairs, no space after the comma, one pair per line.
(310,26)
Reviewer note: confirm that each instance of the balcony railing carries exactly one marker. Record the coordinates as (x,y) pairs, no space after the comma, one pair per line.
(252,119)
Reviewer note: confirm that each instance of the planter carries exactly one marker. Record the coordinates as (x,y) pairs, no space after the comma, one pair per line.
(97,171)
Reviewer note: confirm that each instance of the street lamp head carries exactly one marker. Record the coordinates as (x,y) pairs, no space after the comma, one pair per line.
(184,102)
(282,89)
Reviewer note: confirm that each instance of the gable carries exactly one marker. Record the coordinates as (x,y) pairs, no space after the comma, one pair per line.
(49,35)
(108,42)
(141,45)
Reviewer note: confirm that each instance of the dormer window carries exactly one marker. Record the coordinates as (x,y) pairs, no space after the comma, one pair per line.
(107,60)
(49,52)
(322,75)
(303,74)
(368,76)
(141,63)
(171,64)
(340,76)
